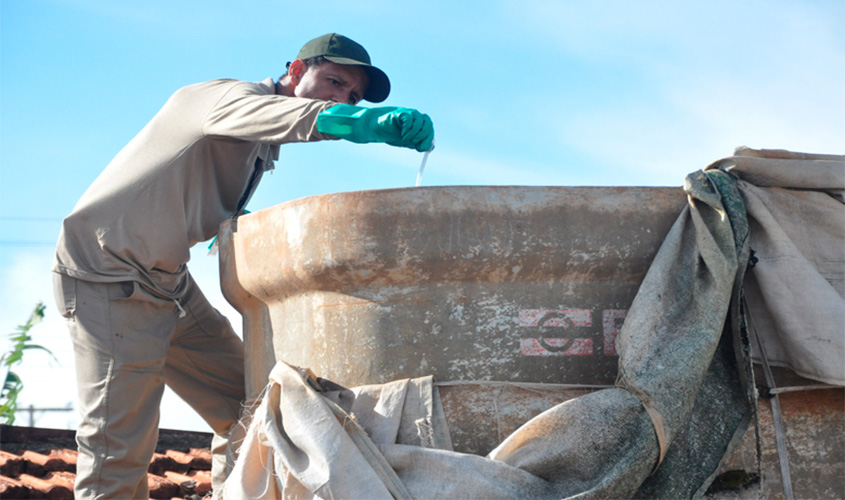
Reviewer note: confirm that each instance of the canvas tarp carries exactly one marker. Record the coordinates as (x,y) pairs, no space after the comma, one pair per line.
(796,290)
(685,391)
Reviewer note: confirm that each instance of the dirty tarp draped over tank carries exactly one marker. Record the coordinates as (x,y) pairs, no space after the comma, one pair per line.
(682,380)
(796,291)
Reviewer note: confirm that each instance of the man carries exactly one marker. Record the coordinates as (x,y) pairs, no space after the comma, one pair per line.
(136,317)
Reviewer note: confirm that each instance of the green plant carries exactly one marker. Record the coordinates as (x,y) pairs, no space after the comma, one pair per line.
(12,384)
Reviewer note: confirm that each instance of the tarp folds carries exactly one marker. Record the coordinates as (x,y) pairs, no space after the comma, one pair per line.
(796,290)
(685,391)
(310,438)
(604,445)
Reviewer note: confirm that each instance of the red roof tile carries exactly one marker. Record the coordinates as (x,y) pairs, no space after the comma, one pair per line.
(45,487)
(64,460)
(12,488)
(65,479)
(37,463)
(161,487)
(11,465)
(189,460)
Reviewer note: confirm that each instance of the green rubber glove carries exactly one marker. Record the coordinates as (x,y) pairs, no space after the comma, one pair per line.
(403,127)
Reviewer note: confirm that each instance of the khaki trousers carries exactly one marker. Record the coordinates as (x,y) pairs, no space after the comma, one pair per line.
(128,343)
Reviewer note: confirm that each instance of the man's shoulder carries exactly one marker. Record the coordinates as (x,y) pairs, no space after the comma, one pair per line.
(225,84)
(214,92)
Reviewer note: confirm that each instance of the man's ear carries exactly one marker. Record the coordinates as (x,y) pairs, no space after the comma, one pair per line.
(296,70)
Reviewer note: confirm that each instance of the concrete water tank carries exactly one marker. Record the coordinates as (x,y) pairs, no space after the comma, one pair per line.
(518,284)
(522,284)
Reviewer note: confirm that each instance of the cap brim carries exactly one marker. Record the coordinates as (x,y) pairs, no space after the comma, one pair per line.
(379,87)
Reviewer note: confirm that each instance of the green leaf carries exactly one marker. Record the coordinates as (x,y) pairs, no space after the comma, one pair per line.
(21,342)
(14,357)
(35,346)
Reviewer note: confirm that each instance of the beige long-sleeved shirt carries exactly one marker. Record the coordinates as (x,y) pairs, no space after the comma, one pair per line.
(177,180)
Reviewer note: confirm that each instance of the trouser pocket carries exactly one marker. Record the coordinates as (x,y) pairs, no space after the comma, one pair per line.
(64,290)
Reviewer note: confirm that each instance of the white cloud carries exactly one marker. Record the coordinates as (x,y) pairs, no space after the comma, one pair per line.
(765,75)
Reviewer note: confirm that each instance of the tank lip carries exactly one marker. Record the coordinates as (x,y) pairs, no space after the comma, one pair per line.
(463,187)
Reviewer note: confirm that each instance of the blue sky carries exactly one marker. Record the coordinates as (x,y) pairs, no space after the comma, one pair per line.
(521,92)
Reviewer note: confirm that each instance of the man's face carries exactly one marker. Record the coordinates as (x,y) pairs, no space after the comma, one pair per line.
(329,82)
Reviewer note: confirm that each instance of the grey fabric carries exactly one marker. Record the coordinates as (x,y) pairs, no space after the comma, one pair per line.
(297,447)
(666,348)
(127,345)
(402,412)
(601,445)
(177,180)
(795,291)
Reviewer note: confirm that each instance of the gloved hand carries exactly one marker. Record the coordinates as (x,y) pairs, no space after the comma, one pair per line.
(403,127)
